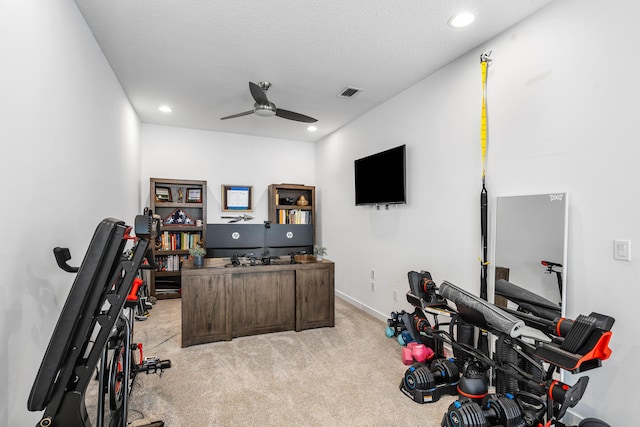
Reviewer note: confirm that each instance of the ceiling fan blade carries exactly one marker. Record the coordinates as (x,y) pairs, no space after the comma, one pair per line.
(286,114)
(258,94)
(237,115)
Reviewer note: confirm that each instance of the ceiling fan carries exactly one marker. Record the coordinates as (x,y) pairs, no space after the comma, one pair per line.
(263,107)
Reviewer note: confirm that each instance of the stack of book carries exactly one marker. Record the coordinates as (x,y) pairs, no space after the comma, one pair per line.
(176,240)
(294,216)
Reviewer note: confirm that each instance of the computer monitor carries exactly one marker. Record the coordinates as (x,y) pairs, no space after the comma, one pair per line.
(235,236)
(283,239)
(226,240)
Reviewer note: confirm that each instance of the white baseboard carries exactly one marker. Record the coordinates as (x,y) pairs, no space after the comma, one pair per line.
(362,306)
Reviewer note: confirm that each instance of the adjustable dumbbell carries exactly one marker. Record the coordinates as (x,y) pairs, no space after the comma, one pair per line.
(425,377)
(495,411)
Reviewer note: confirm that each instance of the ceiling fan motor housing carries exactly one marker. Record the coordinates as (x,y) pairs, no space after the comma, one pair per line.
(265,110)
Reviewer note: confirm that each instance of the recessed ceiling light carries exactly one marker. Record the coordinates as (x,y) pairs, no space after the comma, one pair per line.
(461,19)
(312,128)
(165,109)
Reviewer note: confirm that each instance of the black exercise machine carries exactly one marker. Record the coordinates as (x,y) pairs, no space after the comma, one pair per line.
(92,324)
(526,393)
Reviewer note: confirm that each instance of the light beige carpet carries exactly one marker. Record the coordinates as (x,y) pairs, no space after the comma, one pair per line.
(342,376)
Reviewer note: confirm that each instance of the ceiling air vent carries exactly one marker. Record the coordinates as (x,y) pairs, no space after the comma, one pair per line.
(348,92)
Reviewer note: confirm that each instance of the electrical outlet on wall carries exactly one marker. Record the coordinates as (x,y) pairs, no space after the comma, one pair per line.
(395,295)
(373,286)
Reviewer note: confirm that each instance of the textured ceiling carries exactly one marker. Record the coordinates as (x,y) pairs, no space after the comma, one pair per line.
(199,55)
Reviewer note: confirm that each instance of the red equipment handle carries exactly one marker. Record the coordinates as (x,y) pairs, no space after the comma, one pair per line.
(133,295)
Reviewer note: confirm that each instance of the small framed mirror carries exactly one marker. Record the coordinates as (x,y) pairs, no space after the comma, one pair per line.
(531,248)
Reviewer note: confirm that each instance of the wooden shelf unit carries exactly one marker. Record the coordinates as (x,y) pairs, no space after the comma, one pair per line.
(176,238)
(283,207)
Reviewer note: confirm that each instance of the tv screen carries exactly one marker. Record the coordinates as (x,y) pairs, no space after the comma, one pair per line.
(380,178)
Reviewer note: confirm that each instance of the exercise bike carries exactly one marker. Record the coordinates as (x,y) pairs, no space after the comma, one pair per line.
(94,331)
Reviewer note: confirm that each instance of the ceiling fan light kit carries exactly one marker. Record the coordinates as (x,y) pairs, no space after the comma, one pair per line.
(265,108)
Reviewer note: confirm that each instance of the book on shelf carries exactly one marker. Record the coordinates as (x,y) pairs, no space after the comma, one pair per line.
(179,240)
(170,262)
(294,216)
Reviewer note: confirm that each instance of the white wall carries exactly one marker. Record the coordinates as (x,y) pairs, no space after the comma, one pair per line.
(563,94)
(70,156)
(224,159)
(438,230)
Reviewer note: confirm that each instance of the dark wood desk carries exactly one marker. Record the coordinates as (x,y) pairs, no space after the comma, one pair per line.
(219,303)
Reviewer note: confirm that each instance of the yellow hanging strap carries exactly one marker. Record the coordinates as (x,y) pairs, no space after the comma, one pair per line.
(483,123)
(484,63)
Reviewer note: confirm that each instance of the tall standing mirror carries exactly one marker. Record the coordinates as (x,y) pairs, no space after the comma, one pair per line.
(530,245)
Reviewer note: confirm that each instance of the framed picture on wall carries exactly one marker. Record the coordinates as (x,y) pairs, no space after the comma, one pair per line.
(237,198)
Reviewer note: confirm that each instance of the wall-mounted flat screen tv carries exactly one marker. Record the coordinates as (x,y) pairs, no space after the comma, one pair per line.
(380,178)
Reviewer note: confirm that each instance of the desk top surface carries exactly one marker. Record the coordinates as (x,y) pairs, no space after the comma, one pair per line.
(225,265)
